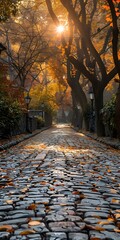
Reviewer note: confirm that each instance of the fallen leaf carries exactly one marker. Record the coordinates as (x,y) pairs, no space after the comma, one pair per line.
(45,203)
(27,232)
(41,175)
(97,228)
(6,228)
(9,201)
(98,208)
(10,184)
(32,206)
(116,230)
(106,222)
(6,177)
(41,170)
(117,215)
(43,183)
(47,210)
(82,196)
(21,197)
(51,189)
(115,200)
(76,193)
(111,219)
(117,210)
(94,190)
(113,190)
(34,223)
(118,225)
(24,190)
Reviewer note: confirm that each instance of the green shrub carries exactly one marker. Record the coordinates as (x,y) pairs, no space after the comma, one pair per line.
(108,116)
(40,122)
(10,113)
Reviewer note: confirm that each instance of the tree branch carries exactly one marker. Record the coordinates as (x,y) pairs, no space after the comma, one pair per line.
(80,66)
(115,36)
(84,32)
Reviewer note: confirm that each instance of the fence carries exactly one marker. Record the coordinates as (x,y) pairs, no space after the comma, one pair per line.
(28,122)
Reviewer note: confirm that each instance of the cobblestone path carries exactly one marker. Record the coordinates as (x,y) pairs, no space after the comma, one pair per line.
(60,185)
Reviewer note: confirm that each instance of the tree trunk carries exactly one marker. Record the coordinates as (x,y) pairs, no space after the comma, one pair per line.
(98,106)
(77,118)
(77,91)
(117,114)
(82,100)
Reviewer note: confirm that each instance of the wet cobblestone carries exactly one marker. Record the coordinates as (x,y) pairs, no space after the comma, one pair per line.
(60,185)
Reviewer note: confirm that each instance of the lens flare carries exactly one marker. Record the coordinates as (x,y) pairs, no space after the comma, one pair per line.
(60,29)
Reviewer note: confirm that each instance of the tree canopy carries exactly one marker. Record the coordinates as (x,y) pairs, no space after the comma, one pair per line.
(8,8)
(80,47)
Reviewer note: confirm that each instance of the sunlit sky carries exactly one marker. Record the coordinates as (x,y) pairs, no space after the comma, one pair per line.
(60,29)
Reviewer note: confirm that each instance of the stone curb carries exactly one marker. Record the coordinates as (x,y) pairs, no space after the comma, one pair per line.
(15,142)
(105,141)
(115,145)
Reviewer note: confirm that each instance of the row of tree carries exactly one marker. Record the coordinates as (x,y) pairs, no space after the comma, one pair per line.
(92,48)
(37,57)
(28,59)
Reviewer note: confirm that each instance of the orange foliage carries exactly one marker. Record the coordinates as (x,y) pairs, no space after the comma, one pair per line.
(8,88)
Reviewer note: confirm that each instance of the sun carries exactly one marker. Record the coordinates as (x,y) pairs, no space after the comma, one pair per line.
(60,29)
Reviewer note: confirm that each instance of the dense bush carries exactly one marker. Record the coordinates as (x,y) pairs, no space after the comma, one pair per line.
(10,113)
(108,116)
(40,122)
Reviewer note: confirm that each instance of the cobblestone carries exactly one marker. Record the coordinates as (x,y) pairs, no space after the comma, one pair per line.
(60,185)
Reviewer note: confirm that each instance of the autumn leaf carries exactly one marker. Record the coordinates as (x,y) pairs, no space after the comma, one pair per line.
(41,170)
(41,175)
(62,204)
(117,210)
(115,200)
(47,210)
(117,215)
(43,183)
(106,7)
(34,223)
(24,190)
(51,189)
(42,145)
(45,203)
(27,232)
(9,201)
(94,190)
(106,222)
(32,206)
(6,228)
(10,184)
(118,225)
(113,190)
(76,193)
(110,219)
(82,196)
(29,147)
(6,177)
(97,228)
(116,230)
